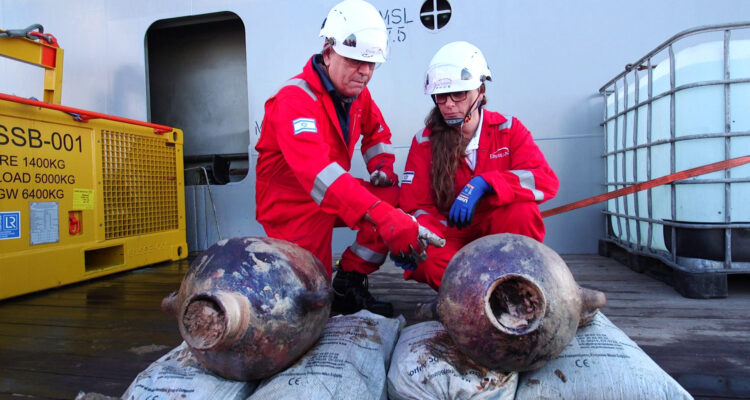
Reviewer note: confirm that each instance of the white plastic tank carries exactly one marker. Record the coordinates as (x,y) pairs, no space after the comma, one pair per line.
(639,147)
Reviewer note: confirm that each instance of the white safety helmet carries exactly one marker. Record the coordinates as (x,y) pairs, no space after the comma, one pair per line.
(456,67)
(357,31)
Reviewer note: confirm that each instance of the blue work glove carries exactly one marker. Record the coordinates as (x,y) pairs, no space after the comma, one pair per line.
(408,263)
(462,210)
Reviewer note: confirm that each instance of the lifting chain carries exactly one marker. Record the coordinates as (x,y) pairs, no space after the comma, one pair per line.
(31,33)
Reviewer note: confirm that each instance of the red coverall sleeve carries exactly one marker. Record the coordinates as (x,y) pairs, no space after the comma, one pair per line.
(308,154)
(376,139)
(416,188)
(530,178)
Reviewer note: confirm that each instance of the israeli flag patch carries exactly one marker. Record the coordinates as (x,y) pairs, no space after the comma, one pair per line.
(304,125)
(408,176)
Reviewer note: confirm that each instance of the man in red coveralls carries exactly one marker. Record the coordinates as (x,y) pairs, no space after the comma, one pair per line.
(471,172)
(305,151)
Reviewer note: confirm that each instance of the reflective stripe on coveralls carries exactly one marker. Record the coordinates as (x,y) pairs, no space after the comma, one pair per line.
(418,213)
(507,124)
(420,138)
(380,148)
(325,179)
(367,254)
(526,179)
(302,84)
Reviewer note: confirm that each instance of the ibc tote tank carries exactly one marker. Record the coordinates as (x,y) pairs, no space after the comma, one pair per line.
(683,105)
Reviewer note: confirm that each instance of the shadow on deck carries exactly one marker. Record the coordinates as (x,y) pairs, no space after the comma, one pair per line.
(97,336)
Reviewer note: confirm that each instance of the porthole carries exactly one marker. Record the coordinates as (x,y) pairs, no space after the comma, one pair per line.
(435,14)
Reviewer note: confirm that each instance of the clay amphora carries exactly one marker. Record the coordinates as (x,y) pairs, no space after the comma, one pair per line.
(511,304)
(249,307)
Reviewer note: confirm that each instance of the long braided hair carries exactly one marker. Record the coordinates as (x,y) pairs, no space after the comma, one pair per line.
(448,147)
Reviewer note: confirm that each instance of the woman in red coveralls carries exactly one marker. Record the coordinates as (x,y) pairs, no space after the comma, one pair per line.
(471,172)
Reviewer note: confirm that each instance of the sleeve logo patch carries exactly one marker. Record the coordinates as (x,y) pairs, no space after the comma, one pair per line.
(408,176)
(304,125)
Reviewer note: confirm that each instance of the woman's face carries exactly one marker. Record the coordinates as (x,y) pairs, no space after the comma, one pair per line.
(457,104)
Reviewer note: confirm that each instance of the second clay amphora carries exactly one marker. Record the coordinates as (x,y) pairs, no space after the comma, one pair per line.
(249,307)
(510,303)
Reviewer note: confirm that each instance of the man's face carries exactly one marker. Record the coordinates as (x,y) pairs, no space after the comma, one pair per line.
(349,76)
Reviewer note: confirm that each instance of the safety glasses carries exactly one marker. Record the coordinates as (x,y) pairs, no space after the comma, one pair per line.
(441,98)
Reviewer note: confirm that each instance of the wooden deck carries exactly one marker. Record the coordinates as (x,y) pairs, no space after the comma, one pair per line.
(97,336)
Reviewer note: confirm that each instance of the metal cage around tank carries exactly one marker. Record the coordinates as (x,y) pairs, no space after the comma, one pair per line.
(684,104)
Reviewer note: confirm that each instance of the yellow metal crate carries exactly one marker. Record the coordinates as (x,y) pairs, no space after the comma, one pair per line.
(79,200)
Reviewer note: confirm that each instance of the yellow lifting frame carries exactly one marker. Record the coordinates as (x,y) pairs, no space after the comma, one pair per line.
(40,54)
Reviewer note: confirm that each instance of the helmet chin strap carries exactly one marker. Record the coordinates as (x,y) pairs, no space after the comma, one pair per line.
(454,122)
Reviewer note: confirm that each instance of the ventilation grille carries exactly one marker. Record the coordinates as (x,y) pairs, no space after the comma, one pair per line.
(139,184)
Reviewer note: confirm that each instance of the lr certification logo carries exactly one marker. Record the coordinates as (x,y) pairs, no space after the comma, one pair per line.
(10,225)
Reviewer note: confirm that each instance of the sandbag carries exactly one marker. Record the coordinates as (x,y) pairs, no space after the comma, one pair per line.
(349,361)
(178,375)
(601,362)
(426,364)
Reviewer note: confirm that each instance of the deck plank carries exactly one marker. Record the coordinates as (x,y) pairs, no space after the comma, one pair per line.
(96,336)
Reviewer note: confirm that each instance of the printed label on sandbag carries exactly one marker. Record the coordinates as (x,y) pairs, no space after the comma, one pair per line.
(348,362)
(426,364)
(598,341)
(602,362)
(179,375)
